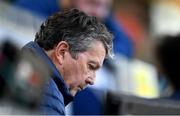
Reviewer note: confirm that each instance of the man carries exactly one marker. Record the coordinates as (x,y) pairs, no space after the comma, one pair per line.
(102,10)
(74,46)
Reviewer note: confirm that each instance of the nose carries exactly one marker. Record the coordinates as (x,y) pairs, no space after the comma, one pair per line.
(91,78)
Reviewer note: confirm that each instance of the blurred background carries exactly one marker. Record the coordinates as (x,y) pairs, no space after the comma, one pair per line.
(137,25)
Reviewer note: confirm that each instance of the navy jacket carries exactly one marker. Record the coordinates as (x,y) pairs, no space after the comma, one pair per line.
(56,94)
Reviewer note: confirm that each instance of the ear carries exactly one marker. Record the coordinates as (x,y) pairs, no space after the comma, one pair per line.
(60,51)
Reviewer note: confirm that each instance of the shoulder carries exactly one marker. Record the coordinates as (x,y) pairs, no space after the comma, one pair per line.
(53,101)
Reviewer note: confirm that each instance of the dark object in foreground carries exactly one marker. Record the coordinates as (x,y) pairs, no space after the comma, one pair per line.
(130,105)
(22,77)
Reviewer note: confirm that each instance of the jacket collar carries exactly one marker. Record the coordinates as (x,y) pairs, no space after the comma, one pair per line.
(37,50)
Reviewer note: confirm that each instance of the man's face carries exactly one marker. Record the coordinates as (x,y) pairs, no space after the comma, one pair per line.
(79,72)
(97,8)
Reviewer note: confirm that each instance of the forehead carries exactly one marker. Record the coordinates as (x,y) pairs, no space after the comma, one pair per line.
(96,53)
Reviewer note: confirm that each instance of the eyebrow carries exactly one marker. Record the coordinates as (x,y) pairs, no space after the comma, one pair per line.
(97,65)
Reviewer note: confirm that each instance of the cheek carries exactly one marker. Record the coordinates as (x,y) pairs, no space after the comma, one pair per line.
(79,72)
(82,71)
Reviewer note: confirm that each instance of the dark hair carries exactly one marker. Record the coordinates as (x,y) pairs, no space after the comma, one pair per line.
(76,28)
(168,56)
